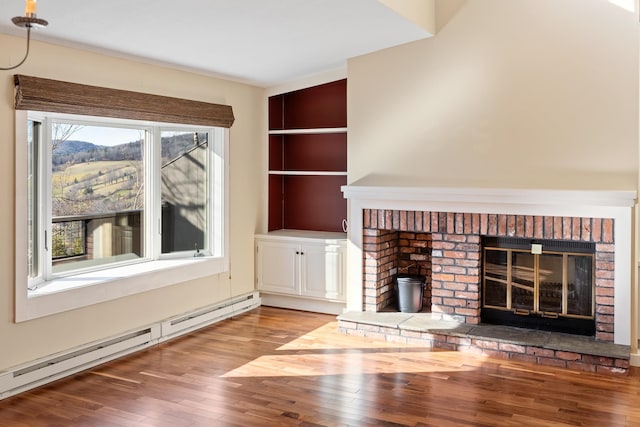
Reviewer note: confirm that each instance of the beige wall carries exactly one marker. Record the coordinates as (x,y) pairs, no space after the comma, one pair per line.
(509,93)
(29,340)
(420,12)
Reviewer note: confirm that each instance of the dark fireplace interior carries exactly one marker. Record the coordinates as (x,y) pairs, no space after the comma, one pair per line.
(536,284)
(539,284)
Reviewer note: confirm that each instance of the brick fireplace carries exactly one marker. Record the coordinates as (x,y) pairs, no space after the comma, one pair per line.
(438,232)
(446,248)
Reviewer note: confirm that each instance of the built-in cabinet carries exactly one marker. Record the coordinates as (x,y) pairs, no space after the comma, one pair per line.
(303,253)
(301,264)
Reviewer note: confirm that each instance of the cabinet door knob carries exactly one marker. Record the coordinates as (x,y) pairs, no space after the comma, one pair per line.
(301,253)
(297,252)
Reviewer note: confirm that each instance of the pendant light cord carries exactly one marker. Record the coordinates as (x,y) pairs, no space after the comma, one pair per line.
(25,55)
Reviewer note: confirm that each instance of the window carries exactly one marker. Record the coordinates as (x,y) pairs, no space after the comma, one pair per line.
(183,191)
(94,200)
(113,202)
(143,210)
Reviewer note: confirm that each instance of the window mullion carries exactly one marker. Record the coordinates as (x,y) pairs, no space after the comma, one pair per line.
(154,227)
(46,200)
(218,195)
(209,191)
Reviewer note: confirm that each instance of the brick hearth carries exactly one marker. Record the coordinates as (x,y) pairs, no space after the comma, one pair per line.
(498,342)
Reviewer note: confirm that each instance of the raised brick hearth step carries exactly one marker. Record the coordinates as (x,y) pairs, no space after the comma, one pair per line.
(504,342)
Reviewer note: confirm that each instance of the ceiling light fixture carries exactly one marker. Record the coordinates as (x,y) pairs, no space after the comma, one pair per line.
(28,21)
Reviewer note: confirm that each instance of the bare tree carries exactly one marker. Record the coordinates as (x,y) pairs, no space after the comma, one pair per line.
(62,205)
(139,174)
(61,132)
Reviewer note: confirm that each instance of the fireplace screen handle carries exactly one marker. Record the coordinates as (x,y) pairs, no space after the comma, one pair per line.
(546,314)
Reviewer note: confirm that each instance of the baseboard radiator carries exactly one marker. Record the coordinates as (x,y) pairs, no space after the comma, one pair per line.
(54,367)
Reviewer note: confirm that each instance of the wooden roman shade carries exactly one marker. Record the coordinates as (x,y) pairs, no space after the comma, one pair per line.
(34,93)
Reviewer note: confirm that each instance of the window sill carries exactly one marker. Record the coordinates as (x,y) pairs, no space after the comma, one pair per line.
(78,291)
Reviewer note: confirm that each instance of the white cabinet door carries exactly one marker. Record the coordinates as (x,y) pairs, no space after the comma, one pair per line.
(277,267)
(312,269)
(321,268)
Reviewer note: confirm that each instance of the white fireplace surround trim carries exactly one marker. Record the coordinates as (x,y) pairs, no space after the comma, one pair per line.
(617,205)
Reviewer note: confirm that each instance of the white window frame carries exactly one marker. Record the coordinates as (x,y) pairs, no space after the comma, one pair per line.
(80,289)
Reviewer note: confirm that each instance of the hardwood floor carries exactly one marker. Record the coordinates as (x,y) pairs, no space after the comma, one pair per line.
(274,367)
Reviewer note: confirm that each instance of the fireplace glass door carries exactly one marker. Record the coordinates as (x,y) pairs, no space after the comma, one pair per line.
(540,284)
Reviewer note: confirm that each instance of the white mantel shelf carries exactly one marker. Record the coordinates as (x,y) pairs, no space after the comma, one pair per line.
(616,204)
(492,196)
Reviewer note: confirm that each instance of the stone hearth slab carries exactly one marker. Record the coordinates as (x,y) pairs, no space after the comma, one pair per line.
(426,323)
(587,345)
(510,335)
(386,319)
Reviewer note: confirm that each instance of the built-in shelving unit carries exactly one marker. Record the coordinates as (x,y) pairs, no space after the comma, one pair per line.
(300,262)
(308,158)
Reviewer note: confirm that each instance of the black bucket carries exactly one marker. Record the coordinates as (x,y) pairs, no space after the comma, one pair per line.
(409,292)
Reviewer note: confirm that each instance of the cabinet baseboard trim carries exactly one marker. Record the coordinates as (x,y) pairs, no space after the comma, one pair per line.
(301,303)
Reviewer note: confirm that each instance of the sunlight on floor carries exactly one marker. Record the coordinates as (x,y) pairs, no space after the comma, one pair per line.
(313,356)
(314,340)
(349,362)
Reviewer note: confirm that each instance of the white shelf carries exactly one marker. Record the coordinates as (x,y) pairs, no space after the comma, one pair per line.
(307,131)
(310,173)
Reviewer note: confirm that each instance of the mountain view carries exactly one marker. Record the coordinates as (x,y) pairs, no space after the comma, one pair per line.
(90,179)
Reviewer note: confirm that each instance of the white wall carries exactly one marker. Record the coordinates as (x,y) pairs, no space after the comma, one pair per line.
(33,339)
(509,93)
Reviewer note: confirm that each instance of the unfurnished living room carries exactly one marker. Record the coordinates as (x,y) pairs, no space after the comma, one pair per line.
(319,213)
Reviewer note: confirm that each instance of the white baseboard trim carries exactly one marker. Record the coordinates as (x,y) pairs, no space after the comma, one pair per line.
(634,358)
(301,303)
(53,367)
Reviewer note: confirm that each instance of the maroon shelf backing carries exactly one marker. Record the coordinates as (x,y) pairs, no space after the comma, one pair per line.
(322,106)
(275,112)
(275,202)
(314,202)
(308,152)
(275,153)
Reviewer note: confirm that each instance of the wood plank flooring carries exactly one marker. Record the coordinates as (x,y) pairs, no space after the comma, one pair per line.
(274,367)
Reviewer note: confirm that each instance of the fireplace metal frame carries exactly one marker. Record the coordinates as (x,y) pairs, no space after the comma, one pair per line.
(536,317)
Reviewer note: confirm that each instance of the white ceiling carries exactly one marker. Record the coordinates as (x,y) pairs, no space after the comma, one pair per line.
(262,42)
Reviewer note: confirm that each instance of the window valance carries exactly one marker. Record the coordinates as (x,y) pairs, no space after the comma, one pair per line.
(38,94)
